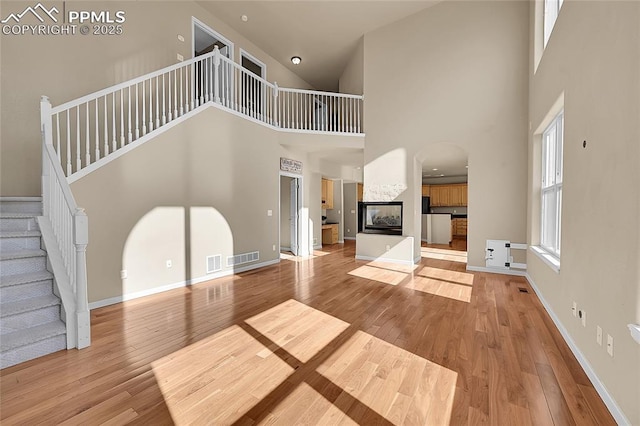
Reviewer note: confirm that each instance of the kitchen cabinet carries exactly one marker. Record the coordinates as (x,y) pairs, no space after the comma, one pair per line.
(330,234)
(452,195)
(360,192)
(459,227)
(327,194)
(425,190)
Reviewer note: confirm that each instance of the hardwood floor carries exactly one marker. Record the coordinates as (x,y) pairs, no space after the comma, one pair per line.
(328,340)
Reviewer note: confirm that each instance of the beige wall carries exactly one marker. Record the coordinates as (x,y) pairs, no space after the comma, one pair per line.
(455,73)
(352,78)
(201,188)
(350,205)
(67,67)
(593,56)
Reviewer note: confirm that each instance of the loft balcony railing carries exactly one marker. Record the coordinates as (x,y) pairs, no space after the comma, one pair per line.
(92,127)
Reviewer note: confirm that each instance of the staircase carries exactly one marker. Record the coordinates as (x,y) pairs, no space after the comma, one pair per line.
(30,324)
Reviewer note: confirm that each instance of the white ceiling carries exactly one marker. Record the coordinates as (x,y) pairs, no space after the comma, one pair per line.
(450,160)
(323,33)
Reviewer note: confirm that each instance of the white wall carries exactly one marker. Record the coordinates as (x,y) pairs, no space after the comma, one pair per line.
(67,67)
(352,78)
(455,73)
(593,56)
(350,210)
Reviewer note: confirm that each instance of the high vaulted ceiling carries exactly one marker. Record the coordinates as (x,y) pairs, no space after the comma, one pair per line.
(323,33)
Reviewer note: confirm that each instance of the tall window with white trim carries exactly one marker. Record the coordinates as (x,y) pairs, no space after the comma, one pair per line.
(551,10)
(551,191)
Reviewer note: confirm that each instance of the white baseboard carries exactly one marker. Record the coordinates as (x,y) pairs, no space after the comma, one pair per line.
(349,238)
(285,248)
(317,247)
(14,199)
(497,271)
(384,259)
(193,281)
(611,404)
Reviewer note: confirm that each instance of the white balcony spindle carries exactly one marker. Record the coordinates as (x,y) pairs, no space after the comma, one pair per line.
(216,74)
(97,128)
(129,134)
(164,114)
(68,128)
(58,136)
(137,101)
(87,141)
(175,94)
(157,123)
(181,103)
(144,109)
(78,148)
(105,127)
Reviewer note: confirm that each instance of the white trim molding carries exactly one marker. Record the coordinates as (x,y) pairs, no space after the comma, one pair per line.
(496,271)
(155,290)
(384,259)
(602,390)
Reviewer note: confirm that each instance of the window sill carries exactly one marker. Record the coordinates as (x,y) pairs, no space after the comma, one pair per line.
(552,261)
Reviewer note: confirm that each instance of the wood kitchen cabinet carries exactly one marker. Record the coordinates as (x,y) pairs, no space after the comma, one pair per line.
(426,190)
(360,192)
(327,194)
(459,227)
(330,234)
(452,195)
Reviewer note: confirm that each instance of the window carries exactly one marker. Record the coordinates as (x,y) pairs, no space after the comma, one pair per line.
(551,10)
(551,190)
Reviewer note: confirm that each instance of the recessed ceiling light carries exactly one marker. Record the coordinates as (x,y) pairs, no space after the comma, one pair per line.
(296,60)
(244,18)
(435,170)
(442,174)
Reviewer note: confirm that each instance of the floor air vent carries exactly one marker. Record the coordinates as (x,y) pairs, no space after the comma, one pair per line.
(214,263)
(239,259)
(523,290)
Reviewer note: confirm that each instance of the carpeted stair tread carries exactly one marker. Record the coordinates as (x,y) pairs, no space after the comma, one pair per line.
(31,335)
(31,277)
(26,305)
(12,215)
(19,234)
(21,254)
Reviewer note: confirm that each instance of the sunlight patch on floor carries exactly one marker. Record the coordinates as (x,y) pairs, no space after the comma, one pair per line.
(441,288)
(399,386)
(384,272)
(218,379)
(456,277)
(297,328)
(305,406)
(444,254)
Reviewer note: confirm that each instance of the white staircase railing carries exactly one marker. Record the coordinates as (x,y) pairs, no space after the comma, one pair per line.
(66,226)
(92,127)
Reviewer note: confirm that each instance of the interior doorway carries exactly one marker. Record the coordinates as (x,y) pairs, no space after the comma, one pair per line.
(290,213)
(204,40)
(252,89)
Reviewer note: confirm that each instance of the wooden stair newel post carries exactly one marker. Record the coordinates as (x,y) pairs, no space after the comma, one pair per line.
(81,239)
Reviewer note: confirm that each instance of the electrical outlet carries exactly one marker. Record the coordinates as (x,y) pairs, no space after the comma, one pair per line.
(269,212)
(180,57)
(169,264)
(273,247)
(583,317)
(609,344)
(574,309)
(123,274)
(599,335)
(180,38)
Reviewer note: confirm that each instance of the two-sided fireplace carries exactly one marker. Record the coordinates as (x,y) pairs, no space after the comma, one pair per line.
(380,217)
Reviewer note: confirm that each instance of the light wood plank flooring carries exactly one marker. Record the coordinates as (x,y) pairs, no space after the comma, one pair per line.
(328,340)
